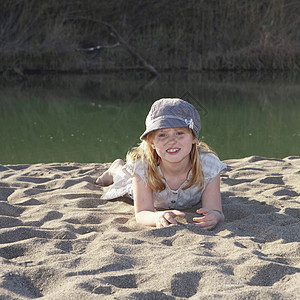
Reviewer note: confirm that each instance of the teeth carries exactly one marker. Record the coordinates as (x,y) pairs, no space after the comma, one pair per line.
(172,150)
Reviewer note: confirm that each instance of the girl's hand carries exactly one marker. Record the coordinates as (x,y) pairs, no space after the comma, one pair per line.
(210,218)
(166,218)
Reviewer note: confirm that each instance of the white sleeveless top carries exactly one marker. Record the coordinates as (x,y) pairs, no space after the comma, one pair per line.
(168,198)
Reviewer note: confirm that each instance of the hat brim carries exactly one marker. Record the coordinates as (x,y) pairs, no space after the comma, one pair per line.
(163,123)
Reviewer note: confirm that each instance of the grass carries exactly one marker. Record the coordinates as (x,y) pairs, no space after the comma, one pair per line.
(169,34)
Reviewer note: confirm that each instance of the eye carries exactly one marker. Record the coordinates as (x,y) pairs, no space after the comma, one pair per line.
(161,135)
(179,132)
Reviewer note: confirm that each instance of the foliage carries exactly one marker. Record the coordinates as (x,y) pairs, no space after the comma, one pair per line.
(169,34)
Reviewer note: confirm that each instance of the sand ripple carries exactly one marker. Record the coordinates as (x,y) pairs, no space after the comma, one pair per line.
(60,240)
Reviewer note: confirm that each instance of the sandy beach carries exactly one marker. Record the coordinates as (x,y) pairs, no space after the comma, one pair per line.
(60,240)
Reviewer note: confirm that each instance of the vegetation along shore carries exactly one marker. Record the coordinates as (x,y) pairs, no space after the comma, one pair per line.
(89,36)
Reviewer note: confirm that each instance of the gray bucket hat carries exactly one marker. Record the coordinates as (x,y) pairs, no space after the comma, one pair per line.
(172,112)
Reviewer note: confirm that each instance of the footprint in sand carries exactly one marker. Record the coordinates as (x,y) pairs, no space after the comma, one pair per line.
(96,287)
(65,246)
(29,202)
(150,295)
(272,180)
(5,192)
(13,251)
(185,284)
(16,282)
(85,220)
(31,179)
(127,281)
(21,233)
(286,192)
(7,222)
(66,168)
(3,168)
(293,212)
(263,274)
(18,167)
(88,203)
(10,210)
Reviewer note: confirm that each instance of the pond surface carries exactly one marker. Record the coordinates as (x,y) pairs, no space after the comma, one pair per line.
(97,118)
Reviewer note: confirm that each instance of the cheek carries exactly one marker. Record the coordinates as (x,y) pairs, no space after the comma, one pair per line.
(158,150)
(158,143)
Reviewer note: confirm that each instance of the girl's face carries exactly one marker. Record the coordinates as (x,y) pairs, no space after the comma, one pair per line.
(173,144)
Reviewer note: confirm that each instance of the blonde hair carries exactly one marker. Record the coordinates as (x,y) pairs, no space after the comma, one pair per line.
(146,152)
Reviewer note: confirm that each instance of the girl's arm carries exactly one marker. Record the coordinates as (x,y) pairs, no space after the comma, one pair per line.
(144,207)
(211,206)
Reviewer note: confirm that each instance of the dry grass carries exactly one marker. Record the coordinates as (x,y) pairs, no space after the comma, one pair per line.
(191,35)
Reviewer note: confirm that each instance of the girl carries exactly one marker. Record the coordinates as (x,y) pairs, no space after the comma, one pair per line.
(170,169)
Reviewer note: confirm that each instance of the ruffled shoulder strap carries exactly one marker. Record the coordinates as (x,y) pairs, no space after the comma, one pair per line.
(139,168)
(211,166)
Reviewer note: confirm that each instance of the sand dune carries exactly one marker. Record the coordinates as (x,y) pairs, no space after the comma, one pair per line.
(59,240)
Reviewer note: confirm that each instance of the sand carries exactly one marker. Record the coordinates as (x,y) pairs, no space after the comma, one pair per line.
(59,240)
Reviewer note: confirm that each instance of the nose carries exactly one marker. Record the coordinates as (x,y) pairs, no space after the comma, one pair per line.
(172,138)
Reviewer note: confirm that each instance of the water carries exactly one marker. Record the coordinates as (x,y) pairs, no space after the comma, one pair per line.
(97,118)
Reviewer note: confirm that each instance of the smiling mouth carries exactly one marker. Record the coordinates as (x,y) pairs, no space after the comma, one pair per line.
(173,150)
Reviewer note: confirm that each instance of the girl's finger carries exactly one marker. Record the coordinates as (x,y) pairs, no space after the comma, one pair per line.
(203,211)
(162,222)
(200,219)
(178,213)
(204,225)
(170,219)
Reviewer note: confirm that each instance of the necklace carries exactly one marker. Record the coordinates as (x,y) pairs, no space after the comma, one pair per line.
(175,181)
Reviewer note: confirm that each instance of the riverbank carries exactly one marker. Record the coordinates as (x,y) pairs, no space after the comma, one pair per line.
(58,239)
(89,36)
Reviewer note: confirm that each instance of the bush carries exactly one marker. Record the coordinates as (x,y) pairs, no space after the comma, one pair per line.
(169,34)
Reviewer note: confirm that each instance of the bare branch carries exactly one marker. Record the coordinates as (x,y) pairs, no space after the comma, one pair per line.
(129,48)
(98,47)
(121,42)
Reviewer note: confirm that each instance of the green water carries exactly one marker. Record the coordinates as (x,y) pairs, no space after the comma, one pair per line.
(97,118)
